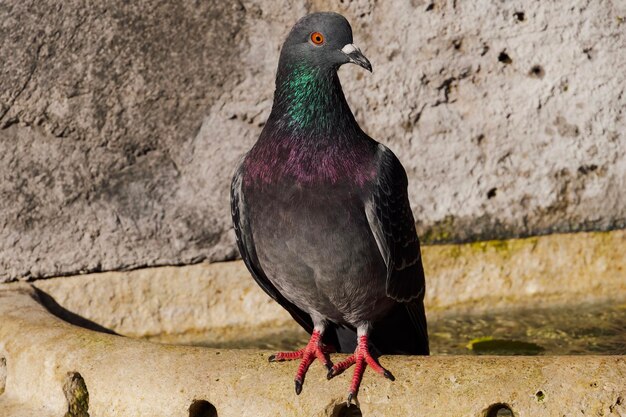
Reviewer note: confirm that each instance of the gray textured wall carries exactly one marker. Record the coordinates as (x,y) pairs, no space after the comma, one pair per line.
(121,122)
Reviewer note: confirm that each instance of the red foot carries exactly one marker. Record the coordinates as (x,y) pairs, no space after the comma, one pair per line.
(314,349)
(361,358)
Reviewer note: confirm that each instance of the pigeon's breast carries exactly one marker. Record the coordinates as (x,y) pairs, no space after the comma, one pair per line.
(314,243)
(316,161)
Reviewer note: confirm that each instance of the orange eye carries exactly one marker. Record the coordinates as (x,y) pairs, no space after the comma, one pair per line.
(317,38)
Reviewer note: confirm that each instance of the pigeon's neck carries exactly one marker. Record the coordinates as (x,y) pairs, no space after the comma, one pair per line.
(309,102)
(311,136)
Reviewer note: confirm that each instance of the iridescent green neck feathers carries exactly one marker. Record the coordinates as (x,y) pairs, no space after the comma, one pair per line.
(310,99)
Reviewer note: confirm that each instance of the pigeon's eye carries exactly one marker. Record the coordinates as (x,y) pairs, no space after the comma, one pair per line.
(317,38)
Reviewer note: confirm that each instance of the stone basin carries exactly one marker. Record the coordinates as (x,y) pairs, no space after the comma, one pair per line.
(87,344)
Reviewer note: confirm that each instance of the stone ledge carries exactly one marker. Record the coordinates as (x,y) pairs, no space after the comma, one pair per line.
(48,359)
(532,272)
(127,377)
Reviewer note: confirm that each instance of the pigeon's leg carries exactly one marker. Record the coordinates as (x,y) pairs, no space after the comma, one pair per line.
(314,349)
(361,358)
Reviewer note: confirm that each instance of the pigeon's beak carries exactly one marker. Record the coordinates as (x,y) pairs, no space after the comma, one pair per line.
(356,56)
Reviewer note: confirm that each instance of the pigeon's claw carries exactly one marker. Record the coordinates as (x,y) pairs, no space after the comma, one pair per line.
(389,375)
(314,349)
(338,368)
(361,358)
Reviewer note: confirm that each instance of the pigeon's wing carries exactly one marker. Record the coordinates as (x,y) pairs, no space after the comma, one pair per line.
(245,242)
(391,221)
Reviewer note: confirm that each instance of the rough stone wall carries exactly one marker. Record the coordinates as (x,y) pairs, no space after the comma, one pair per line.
(121,122)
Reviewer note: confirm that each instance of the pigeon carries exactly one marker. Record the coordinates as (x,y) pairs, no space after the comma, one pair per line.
(322,216)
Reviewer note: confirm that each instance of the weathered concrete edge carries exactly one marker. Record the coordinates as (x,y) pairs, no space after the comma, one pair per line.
(520,273)
(130,377)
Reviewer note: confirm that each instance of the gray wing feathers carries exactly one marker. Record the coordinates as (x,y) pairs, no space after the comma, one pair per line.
(391,221)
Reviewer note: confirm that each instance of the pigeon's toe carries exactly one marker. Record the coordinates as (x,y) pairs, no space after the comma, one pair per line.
(286,356)
(313,350)
(340,367)
(361,359)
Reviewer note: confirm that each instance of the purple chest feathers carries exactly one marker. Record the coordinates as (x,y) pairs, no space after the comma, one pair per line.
(305,163)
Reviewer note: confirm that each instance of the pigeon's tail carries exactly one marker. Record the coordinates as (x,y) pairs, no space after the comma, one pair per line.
(402,332)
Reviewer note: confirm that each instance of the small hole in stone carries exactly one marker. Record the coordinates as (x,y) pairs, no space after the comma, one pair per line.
(498,410)
(540,395)
(586,169)
(202,408)
(504,58)
(519,16)
(491,193)
(76,394)
(342,410)
(430,7)
(536,71)
(3,374)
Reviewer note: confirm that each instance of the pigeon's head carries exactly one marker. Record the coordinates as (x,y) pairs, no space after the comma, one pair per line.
(323,40)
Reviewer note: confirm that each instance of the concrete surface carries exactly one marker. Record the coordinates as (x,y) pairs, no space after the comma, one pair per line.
(56,369)
(121,122)
(51,368)
(521,273)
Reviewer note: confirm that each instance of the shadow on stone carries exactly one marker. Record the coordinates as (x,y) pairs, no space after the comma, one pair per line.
(56,309)
(202,408)
(77,396)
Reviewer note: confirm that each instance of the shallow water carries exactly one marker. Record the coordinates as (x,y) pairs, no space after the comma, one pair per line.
(583,330)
